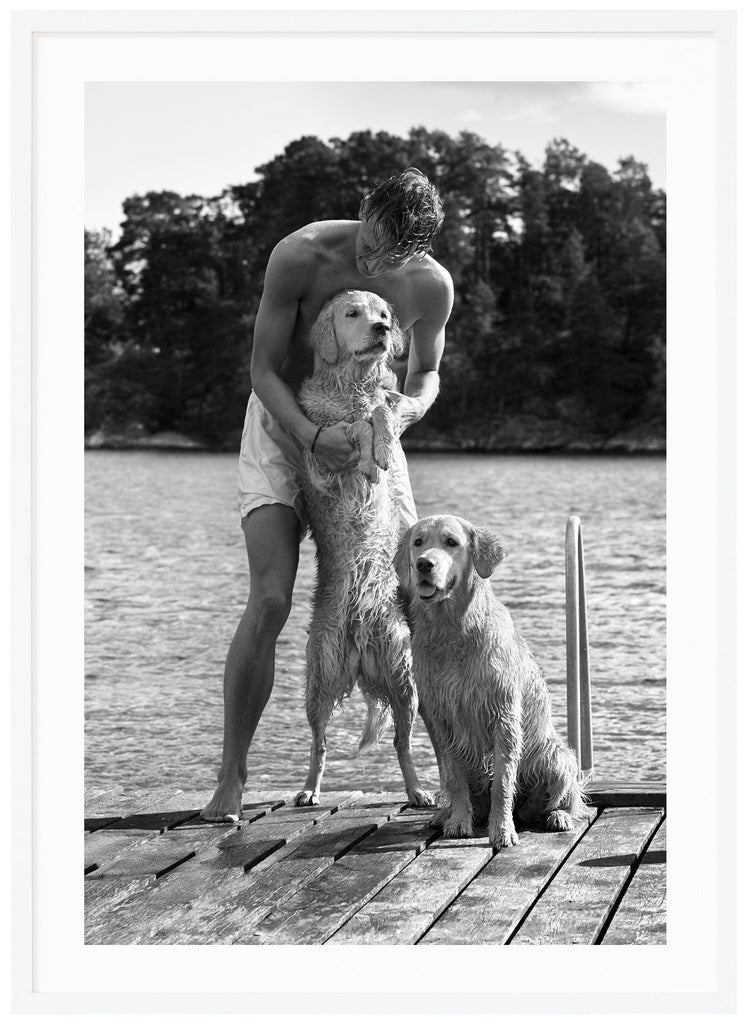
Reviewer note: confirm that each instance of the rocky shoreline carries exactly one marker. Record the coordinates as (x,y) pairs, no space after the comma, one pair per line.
(544,439)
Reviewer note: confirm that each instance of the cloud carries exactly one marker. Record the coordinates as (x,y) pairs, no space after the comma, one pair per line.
(543,112)
(628,97)
(470,116)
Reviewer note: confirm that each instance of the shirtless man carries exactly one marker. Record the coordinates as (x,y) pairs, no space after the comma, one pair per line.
(385,251)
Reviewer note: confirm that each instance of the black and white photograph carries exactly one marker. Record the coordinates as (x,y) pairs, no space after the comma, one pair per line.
(375,523)
(373,511)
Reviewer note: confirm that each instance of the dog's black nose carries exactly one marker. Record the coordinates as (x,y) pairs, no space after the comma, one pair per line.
(381,328)
(424,564)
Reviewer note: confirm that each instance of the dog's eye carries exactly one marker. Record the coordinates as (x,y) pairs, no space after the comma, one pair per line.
(352,312)
(452,543)
(417,543)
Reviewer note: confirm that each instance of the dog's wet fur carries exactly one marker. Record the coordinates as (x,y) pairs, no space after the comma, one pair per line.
(358,633)
(480,690)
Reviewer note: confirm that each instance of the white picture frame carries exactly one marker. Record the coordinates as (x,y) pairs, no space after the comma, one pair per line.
(54,54)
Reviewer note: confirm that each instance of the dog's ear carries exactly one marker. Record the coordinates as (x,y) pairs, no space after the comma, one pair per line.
(487,551)
(322,337)
(402,559)
(398,336)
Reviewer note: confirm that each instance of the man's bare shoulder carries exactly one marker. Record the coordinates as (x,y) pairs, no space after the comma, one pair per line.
(314,240)
(433,280)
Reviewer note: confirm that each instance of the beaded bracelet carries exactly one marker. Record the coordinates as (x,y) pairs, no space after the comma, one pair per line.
(316,438)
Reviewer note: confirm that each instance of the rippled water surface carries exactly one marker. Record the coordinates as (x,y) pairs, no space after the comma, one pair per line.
(166,581)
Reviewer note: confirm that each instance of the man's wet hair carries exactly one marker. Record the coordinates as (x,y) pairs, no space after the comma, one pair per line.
(408,213)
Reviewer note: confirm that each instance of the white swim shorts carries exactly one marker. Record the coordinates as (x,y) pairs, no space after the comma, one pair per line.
(270,465)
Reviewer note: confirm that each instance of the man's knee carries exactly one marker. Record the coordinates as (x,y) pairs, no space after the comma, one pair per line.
(271,605)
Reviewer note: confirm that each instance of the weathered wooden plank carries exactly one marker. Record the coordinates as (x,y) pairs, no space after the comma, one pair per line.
(109,844)
(220,851)
(226,915)
(222,846)
(382,798)
(158,905)
(641,918)
(250,812)
(155,857)
(625,786)
(491,906)
(272,831)
(102,798)
(363,813)
(575,906)
(605,793)
(322,906)
(373,805)
(182,806)
(116,802)
(91,792)
(102,896)
(193,903)
(127,803)
(401,912)
(93,824)
(102,847)
(158,821)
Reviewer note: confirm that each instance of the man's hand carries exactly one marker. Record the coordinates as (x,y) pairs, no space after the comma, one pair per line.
(406,410)
(333,449)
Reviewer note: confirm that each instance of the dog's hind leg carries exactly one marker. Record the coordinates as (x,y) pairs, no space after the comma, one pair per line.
(416,795)
(325,686)
(404,708)
(390,657)
(318,716)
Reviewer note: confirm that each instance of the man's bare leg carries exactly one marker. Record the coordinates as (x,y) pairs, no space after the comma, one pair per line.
(272,538)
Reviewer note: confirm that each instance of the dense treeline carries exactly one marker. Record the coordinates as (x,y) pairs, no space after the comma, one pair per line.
(558,329)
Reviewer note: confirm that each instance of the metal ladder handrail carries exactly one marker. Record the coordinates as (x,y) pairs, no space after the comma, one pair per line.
(578,687)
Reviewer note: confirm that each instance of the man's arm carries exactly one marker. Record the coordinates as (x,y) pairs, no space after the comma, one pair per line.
(276,319)
(426,349)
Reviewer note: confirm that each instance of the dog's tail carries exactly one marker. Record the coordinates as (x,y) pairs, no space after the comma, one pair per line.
(566,789)
(550,782)
(378,721)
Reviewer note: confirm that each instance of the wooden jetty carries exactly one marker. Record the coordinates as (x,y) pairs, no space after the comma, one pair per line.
(363,868)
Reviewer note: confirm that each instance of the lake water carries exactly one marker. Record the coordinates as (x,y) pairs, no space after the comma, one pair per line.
(166,582)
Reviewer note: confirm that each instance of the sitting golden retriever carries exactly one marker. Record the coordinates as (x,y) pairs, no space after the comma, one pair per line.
(481,692)
(358,632)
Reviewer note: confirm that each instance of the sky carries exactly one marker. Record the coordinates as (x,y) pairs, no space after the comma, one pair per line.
(201,137)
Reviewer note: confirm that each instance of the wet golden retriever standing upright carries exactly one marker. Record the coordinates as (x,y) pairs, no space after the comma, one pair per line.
(358,632)
(481,692)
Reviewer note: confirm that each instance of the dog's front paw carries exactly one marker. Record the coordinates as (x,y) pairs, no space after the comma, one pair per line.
(306,797)
(458,828)
(360,435)
(559,821)
(421,798)
(501,836)
(384,435)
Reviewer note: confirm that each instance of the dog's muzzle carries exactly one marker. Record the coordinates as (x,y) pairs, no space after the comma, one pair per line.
(380,341)
(427,587)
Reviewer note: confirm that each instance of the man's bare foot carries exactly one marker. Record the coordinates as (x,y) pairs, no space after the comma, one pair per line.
(226,802)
